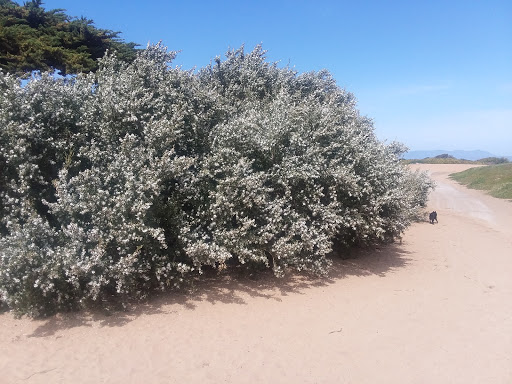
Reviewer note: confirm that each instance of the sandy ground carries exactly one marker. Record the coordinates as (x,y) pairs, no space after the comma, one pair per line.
(435,309)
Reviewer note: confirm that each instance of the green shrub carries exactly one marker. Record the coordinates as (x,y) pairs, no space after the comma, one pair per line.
(137,176)
(494,160)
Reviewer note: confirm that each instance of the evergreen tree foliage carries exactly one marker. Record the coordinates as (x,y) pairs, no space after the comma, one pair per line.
(32,38)
(139,175)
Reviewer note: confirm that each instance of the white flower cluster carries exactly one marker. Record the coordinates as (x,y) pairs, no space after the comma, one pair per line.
(129,179)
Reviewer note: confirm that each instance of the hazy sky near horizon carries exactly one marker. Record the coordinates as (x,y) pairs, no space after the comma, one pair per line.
(431,74)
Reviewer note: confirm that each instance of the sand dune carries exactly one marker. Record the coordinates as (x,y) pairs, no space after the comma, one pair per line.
(435,309)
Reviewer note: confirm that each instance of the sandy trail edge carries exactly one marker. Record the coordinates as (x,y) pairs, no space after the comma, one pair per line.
(435,309)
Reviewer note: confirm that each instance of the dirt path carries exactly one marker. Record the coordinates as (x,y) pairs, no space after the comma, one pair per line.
(435,309)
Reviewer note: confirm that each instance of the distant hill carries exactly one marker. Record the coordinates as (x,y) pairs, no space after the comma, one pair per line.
(467,155)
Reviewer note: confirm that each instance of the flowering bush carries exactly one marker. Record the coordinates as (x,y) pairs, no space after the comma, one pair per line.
(132,178)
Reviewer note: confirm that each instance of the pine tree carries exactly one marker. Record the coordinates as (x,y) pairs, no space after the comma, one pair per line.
(32,38)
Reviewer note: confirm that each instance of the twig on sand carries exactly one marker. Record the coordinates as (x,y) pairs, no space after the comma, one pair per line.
(40,372)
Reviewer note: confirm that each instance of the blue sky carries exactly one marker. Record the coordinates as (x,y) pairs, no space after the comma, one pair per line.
(431,74)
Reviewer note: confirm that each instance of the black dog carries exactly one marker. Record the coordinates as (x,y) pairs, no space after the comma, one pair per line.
(432,217)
